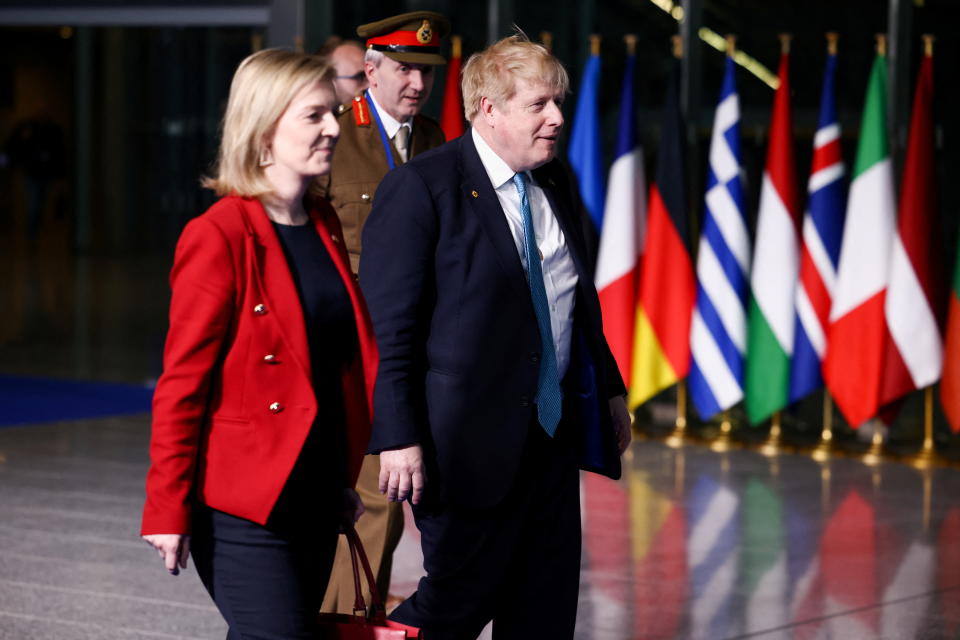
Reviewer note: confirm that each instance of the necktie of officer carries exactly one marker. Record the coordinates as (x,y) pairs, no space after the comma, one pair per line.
(400,140)
(549,397)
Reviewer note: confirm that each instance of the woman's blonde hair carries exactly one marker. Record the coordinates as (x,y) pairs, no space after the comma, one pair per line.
(494,71)
(262,88)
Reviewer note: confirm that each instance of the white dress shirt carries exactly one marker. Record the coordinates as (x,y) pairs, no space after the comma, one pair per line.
(559,273)
(390,124)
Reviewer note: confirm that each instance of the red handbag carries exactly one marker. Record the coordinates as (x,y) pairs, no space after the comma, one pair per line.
(363,625)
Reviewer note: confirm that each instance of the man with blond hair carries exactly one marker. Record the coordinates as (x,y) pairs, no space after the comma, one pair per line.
(495,382)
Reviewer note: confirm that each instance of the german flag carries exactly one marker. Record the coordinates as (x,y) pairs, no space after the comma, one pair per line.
(661,346)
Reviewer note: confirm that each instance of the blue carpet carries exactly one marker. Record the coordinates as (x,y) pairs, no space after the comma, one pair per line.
(32,400)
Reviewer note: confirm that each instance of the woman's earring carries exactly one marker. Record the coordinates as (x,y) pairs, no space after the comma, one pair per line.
(266,158)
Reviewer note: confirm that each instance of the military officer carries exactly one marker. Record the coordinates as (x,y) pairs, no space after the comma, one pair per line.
(381,129)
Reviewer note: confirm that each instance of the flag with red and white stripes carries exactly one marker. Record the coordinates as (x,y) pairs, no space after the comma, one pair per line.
(914,354)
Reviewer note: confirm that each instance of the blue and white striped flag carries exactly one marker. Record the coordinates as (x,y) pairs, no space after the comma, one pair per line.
(719,329)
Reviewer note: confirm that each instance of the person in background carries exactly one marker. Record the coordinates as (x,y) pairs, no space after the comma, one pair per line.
(346,56)
(381,129)
(261,416)
(496,384)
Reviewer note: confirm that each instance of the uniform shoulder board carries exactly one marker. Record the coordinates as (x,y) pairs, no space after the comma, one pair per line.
(361,111)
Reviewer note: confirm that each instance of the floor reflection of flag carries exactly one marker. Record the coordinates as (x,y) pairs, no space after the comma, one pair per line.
(606,542)
(803,531)
(659,536)
(848,563)
(711,557)
(914,577)
(948,572)
(763,559)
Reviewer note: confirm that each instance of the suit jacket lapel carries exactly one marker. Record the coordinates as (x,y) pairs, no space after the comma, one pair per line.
(563,212)
(477,190)
(276,283)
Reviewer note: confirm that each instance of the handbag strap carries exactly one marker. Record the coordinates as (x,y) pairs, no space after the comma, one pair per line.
(357,552)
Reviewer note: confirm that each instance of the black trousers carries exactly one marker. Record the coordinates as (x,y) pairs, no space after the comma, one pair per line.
(267,581)
(517,563)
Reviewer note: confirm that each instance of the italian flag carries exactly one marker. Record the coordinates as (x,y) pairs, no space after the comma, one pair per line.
(853,366)
(776,261)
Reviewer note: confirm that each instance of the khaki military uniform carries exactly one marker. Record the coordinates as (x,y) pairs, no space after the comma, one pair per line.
(359,164)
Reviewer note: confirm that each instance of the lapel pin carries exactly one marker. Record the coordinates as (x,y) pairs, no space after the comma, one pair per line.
(475,194)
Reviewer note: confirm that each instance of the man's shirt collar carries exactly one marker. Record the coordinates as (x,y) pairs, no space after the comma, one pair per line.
(497,169)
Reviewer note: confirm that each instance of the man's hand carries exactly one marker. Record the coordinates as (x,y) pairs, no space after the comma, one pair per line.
(402,474)
(174,549)
(621,422)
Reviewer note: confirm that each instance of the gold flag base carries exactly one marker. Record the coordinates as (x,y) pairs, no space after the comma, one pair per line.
(771,447)
(723,442)
(874,455)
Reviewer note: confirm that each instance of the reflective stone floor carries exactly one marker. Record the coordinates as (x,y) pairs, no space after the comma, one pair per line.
(689,544)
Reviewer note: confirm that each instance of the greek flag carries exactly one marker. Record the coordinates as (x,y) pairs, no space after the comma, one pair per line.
(718,332)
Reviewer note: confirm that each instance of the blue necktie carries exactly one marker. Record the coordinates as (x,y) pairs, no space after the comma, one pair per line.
(549,395)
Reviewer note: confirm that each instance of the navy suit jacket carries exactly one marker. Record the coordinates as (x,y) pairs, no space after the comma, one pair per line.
(457,333)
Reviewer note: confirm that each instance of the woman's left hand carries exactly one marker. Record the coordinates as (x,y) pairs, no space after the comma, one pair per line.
(352,508)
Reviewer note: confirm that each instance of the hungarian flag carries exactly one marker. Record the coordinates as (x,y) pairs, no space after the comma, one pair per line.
(853,367)
(451,118)
(661,343)
(820,253)
(584,151)
(914,354)
(621,238)
(950,384)
(776,261)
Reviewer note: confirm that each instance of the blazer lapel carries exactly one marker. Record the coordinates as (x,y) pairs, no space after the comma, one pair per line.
(276,283)
(562,211)
(477,190)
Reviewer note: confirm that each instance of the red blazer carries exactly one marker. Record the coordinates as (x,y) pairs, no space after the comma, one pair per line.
(235,402)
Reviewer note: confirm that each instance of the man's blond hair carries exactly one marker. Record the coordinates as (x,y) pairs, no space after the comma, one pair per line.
(262,88)
(493,72)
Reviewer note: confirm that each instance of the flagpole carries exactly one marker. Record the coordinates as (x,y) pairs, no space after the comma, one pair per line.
(724,441)
(927,456)
(823,451)
(675,440)
(874,455)
(595,44)
(771,447)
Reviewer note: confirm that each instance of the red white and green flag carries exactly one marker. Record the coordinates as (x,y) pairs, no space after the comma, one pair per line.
(776,263)
(914,355)
(853,366)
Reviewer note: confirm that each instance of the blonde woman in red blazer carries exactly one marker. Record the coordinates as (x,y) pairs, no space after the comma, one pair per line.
(261,417)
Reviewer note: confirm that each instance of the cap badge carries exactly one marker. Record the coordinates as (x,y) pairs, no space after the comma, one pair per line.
(425,33)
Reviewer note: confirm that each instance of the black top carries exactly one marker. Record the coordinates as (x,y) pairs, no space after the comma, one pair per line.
(332,337)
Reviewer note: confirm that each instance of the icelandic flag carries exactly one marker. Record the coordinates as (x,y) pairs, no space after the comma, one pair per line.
(820,255)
